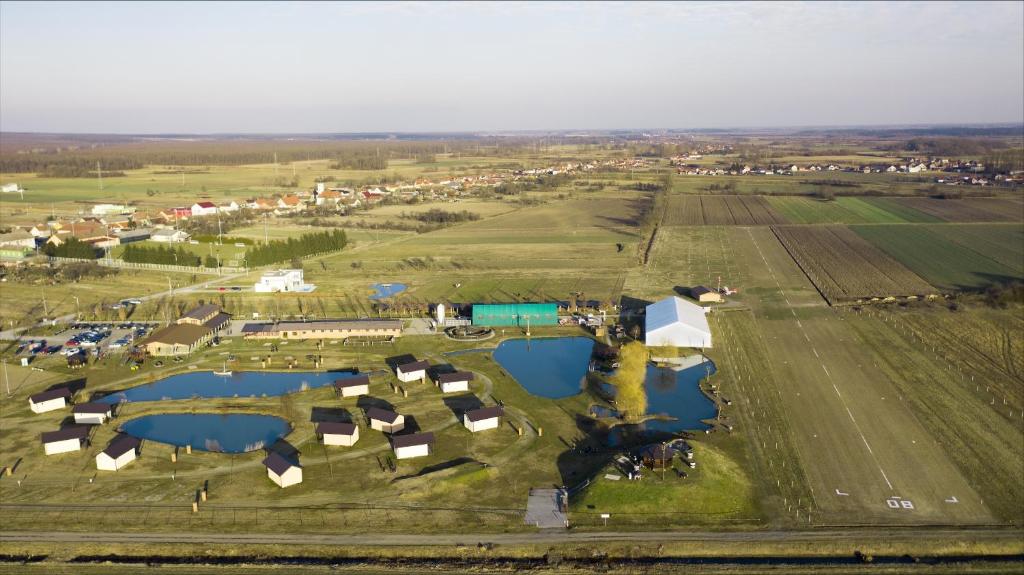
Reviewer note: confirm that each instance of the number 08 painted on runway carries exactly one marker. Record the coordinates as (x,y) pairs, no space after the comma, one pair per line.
(897,503)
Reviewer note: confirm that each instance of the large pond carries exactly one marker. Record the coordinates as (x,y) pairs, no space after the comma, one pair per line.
(205,384)
(387,290)
(552,367)
(226,433)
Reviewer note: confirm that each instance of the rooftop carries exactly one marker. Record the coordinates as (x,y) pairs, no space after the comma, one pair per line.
(202,312)
(414,366)
(382,415)
(485,413)
(352,381)
(122,444)
(95,407)
(69,432)
(335,428)
(457,376)
(277,463)
(411,439)
(182,333)
(51,394)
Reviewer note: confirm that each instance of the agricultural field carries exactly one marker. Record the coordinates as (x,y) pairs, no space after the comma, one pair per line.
(845,267)
(968,210)
(686,210)
(843,210)
(954,257)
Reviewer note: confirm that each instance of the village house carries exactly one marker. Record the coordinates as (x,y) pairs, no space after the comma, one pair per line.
(412,445)
(262,204)
(483,418)
(384,420)
(353,386)
(200,209)
(50,400)
(229,207)
(39,231)
(95,413)
(70,438)
(121,451)
(325,329)
(281,281)
(281,471)
(169,236)
(454,382)
(416,370)
(290,203)
(338,433)
(18,238)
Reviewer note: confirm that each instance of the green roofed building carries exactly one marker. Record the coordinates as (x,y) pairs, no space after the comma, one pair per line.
(515,314)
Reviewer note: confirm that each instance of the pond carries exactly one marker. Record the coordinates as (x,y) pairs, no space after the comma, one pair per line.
(224,433)
(385,290)
(204,384)
(553,367)
(675,393)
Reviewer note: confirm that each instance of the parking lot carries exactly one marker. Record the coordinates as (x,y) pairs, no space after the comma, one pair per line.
(86,338)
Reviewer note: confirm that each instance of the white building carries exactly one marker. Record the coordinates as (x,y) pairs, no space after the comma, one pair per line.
(204,209)
(229,207)
(412,371)
(353,386)
(338,433)
(483,418)
(169,235)
(111,209)
(676,322)
(384,420)
(454,382)
(10,189)
(413,445)
(121,451)
(92,413)
(282,281)
(281,471)
(64,440)
(50,400)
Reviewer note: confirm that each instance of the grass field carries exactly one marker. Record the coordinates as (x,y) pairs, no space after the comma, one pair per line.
(953,257)
(844,210)
(968,210)
(720,210)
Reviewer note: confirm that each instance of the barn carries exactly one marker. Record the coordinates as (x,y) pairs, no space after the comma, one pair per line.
(705,294)
(66,439)
(483,418)
(412,371)
(413,445)
(49,400)
(281,471)
(676,322)
(515,314)
(353,386)
(122,450)
(338,433)
(454,382)
(92,413)
(384,420)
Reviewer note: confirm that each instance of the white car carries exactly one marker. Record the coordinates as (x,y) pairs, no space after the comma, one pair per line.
(70,350)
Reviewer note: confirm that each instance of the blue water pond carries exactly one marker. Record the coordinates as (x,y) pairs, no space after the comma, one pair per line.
(205,384)
(675,393)
(226,433)
(553,367)
(387,290)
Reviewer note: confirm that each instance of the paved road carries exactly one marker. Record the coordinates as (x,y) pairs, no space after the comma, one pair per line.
(540,537)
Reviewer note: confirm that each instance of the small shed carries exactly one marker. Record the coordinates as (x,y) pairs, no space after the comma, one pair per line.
(70,438)
(483,418)
(338,433)
(353,386)
(454,382)
(94,413)
(705,294)
(413,445)
(50,400)
(659,455)
(281,471)
(122,450)
(412,371)
(384,420)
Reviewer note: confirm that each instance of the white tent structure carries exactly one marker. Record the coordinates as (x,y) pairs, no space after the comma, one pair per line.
(676,322)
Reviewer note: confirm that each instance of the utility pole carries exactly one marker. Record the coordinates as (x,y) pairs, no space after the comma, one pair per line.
(266,237)
(46,312)
(7,380)
(78,310)
(99,174)
(170,288)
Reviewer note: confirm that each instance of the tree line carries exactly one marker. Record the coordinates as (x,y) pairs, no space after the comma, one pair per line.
(164,255)
(305,245)
(72,248)
(439,216)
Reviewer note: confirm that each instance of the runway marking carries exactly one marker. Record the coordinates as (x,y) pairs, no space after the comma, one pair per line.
(842,493)
(953,499)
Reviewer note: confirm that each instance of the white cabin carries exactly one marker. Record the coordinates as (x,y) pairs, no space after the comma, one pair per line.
(413,445)
(353,386)
(483,418)
(454,382)
(92,413)
(50,400)
(337,433)
(123,450)
(281,471)
(416,370)
(65,440)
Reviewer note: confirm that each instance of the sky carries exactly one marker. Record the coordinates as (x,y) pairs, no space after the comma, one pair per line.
(398,67)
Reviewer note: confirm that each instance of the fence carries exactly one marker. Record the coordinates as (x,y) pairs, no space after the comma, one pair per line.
(115,263)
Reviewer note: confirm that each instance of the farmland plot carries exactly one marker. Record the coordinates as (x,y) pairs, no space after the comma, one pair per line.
(721,210)
(845,210)
(951,257)
(968,210)
(843,266)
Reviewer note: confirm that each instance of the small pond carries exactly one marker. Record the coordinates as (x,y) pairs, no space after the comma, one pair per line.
(675,393)
(226,433)
(205,384)
(385,290)
(553,367)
